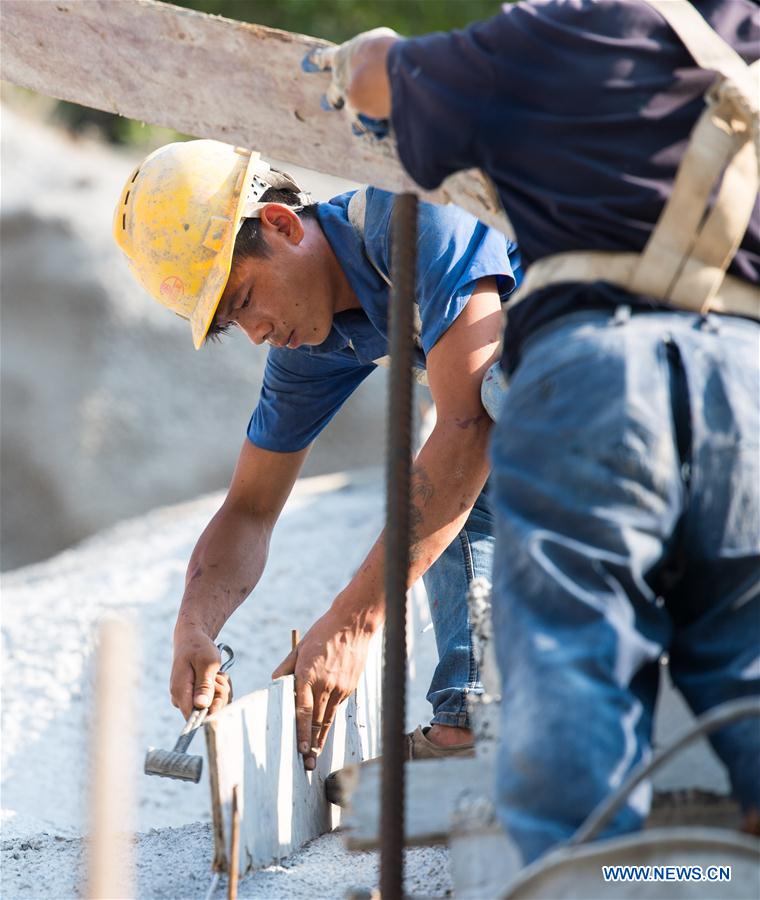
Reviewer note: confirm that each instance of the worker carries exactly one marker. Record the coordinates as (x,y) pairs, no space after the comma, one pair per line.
(625,460)
(224,240)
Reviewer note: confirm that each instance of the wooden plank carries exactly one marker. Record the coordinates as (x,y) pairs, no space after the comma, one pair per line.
(252,743)
(434,787)
(206,76)
(455,797)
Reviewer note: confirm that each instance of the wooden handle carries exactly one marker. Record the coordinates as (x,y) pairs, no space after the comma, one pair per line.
(234,845)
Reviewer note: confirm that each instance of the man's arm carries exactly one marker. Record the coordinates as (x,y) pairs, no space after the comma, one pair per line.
(225,566)
(448,475)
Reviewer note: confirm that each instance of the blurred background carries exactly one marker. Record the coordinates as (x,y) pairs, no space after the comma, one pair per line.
(106,409)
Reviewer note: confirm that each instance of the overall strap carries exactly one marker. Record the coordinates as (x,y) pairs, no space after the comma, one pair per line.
(686,257)
(708,48)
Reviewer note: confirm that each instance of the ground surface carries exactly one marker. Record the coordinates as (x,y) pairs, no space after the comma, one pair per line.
(172,864)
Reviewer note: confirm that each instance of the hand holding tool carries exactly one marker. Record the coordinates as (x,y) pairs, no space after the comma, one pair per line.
(177,763)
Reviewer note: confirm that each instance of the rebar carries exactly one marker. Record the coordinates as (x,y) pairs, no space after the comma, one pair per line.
(397,538)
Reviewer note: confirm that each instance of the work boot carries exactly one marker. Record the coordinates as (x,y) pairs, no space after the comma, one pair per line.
(416,746)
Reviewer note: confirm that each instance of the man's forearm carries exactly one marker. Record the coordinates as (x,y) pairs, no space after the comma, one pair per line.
(447,477)
(224,568)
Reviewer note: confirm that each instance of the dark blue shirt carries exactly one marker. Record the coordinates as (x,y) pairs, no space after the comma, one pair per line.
(304,388)
(580,111)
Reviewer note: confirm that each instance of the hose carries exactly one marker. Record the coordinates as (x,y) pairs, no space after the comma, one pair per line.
(716,718)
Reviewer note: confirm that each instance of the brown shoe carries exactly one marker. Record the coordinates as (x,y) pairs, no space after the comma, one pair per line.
(416,746)
(419,747)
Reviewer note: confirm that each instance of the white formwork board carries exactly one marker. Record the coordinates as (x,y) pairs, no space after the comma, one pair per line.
(252,743)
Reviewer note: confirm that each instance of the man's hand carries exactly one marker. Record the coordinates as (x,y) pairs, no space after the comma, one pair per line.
(327,665)
(196,682)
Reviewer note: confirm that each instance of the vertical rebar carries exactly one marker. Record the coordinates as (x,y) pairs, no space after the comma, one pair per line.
(397,535)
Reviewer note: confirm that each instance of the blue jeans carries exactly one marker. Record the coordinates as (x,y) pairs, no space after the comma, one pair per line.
(626,494)
(469,556)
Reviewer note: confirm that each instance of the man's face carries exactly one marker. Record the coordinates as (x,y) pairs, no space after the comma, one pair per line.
(284,298)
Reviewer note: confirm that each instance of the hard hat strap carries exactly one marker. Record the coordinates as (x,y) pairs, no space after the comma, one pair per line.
(265,177)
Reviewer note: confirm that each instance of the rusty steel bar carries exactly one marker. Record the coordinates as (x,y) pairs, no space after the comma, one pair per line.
(397,535)
(232,887)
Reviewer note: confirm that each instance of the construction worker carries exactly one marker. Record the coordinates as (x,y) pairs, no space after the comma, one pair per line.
(223,240)
(625,461)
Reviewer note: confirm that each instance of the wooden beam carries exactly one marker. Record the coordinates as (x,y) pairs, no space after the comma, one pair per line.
(252,743)
(433,789)
(206,76)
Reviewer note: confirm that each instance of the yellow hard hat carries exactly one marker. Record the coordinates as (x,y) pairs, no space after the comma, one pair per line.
(178,216)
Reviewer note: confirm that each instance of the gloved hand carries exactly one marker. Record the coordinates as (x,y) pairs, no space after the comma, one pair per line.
(339,61)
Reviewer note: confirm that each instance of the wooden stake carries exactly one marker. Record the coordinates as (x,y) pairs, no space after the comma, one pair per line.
(234,844)
(112,764)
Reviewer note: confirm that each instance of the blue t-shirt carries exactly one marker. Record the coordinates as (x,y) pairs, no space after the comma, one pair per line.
(304,388)
(580,111)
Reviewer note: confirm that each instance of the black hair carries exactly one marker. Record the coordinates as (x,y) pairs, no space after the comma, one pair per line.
(250,242)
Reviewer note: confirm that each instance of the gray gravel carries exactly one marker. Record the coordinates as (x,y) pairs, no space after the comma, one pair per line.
(174,863)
